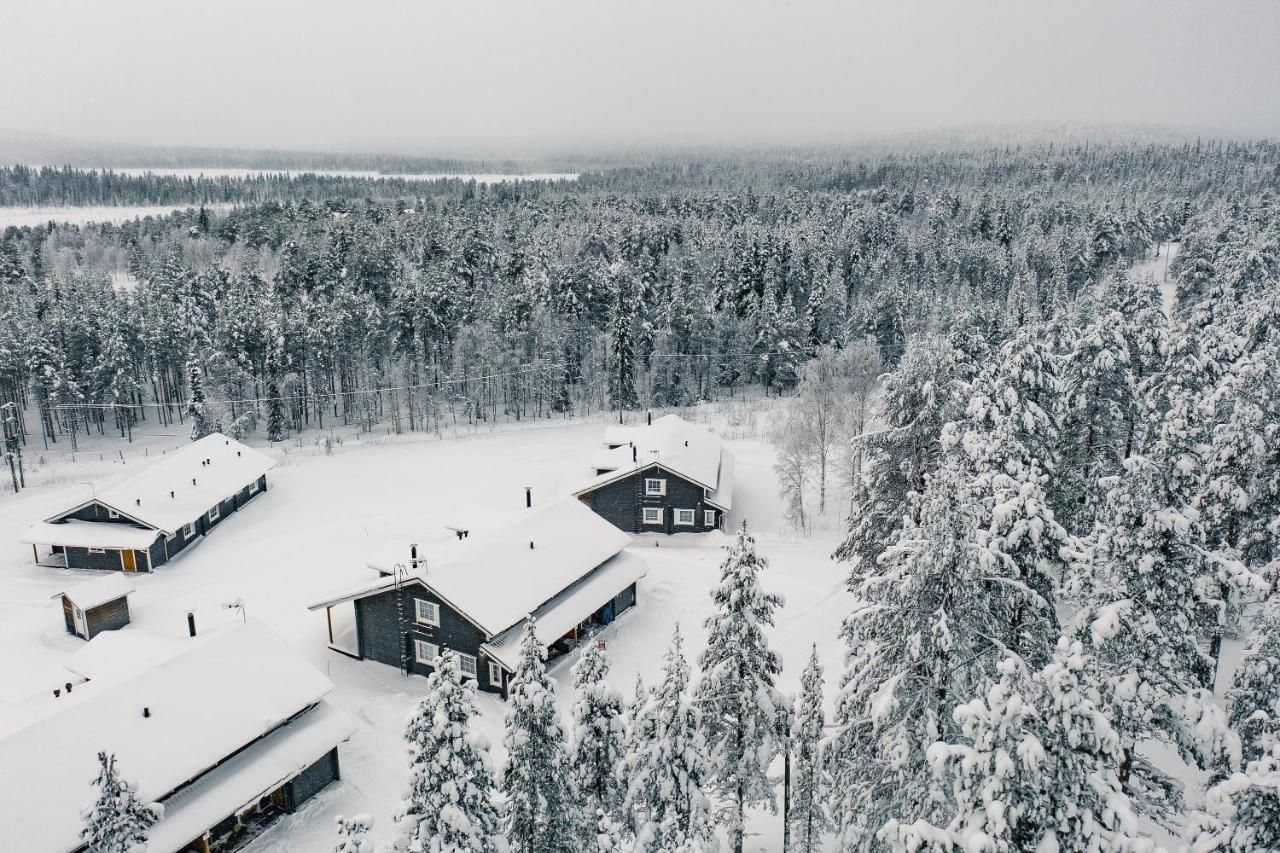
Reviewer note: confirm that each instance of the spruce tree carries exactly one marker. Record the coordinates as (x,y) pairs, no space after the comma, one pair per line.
(117,822)
(666,767)
(808,814)
(736,695)
(599,739)
(540,811)
(197,407)
(449,802)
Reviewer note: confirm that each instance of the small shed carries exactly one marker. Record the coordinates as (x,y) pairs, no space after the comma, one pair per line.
(97,606)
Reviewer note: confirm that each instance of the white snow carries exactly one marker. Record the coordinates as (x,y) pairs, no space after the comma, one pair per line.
(169,493)
(88,534)
(219,695)
(20,217)
(688,450)
(107,588)
(314,529)
(498,576)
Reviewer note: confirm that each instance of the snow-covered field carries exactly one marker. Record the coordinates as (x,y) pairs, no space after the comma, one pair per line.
(32,216)
(479,178)
(312,530)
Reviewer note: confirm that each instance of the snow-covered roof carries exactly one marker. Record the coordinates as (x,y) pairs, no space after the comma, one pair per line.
(558,616)
(493,576)
(113,655)
(250,775)
(230,467)
(106,588)
(223,693)
(723,494)
(89,534)
(686,450)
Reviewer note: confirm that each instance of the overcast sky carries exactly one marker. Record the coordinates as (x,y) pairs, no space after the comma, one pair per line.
(448,76)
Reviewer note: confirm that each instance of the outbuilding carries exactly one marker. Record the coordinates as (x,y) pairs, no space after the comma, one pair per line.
(98,605)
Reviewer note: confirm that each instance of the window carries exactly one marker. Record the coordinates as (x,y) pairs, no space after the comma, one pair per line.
(253,487)
(708,518)
(467,663)
(655,486)
(111,513)
(684,517)
(653,515)
(97,551)
(495,674)
(189,532)
(426,612)
(214,513)
(426,652)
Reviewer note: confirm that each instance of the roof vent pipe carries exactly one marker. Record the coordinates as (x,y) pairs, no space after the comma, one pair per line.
(413,556)
(191,623)
(68,686)
(56,693)
(193,481)
(633,453)
(170,493)
(146,712)
(138,501)
(530,544)
(528,496)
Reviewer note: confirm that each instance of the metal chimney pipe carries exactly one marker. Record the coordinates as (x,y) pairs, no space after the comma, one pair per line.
(413,556)
(648,418)
(528,496)
(191,624)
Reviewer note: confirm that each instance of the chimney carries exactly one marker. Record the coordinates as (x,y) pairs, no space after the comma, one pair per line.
(530,544)
(413,556)
(191,624)
(648,417)
(633,453)
(146,712)
(528,496)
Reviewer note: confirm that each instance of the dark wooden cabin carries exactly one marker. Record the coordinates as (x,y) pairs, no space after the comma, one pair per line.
(148,519)
(668,477)
(473,594)
(96,606)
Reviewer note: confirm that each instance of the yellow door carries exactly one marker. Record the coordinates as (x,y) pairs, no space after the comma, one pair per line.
(126,558)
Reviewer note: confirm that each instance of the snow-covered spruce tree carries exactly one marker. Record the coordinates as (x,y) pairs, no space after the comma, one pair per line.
(917,399)
(540,811)
(449,802)
(599,737)
(197,407)
(1144,622)
(666,768)
(609,836)
(622,352)
(1242,812)
(736,695)
(353,834)
(809,784)
(1100,403)
(1253,701)
(928,632)
(1035,769)
(117,822)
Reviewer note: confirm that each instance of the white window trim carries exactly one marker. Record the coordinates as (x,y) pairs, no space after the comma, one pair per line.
(253,487)
(97,550)
(495,674)
(692,518)
(189,532)
(463,661)
(215,513)
(662,486)
(111,513)
(418,604)
(419,645)
(708,518)
(649,509)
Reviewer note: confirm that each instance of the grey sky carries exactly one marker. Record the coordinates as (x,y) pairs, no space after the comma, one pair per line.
(431,76)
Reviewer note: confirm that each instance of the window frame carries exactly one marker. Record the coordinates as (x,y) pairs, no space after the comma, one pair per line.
(495,673)
(418,645)
(189,530)
(111,513)
(418,604)
(708,518)
(93,550)
(215,512)
(644,517)
(661,491)
(463,660)
(693,518)
(253,487)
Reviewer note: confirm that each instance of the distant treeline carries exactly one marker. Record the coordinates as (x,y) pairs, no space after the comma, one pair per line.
(65,186)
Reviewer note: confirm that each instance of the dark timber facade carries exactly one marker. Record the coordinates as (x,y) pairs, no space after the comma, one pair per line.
(624,503)
(92,621)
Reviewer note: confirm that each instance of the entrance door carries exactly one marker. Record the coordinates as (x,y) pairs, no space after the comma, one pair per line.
(77,617)
(606,613)
(127,560)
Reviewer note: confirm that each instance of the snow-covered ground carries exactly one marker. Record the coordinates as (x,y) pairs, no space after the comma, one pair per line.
(313,528)
(479,178)
(1157,266)
(32,216)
